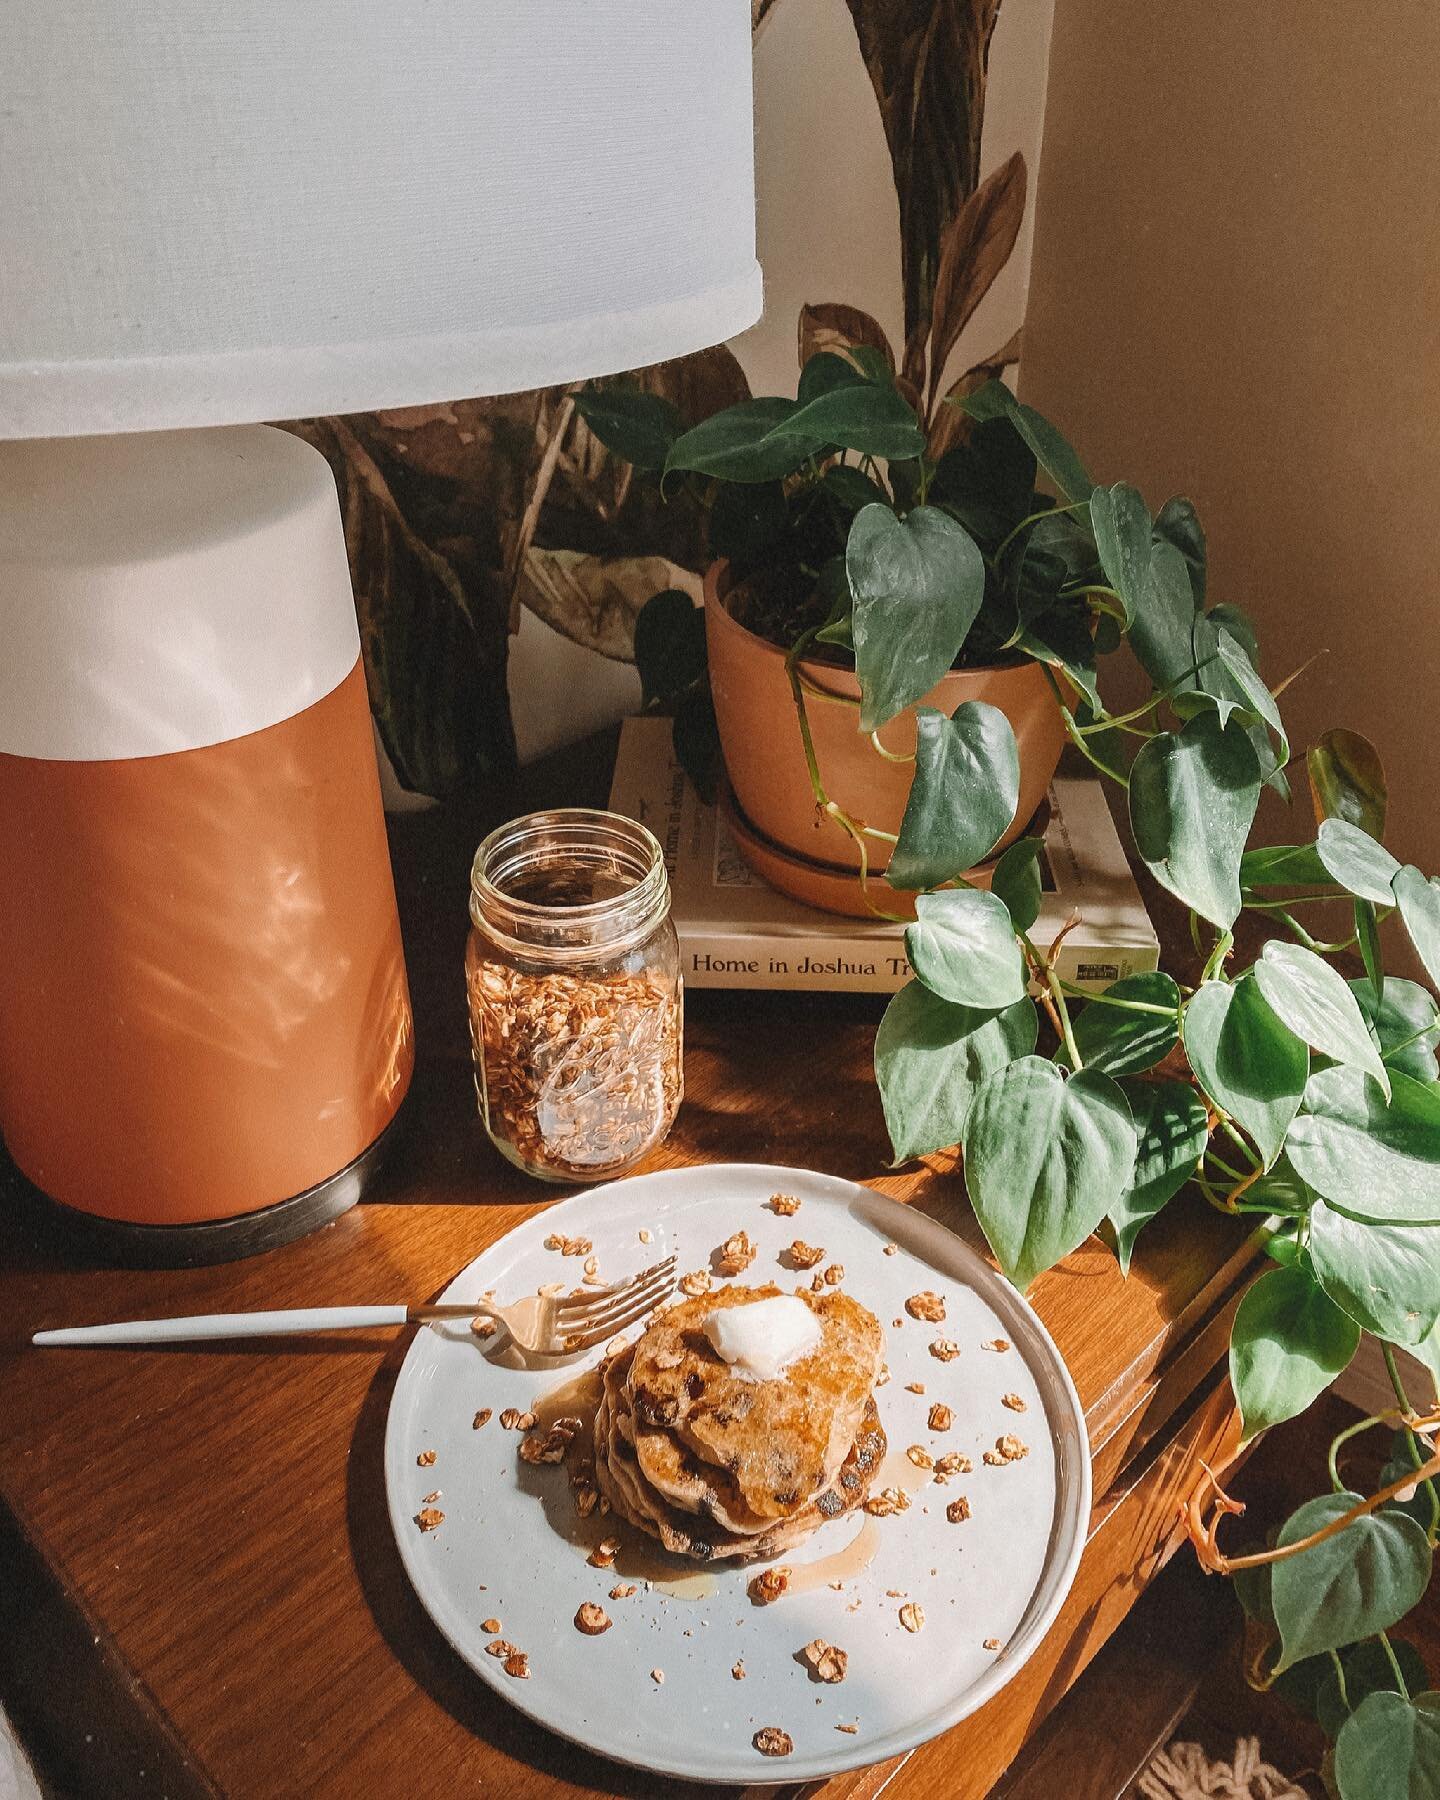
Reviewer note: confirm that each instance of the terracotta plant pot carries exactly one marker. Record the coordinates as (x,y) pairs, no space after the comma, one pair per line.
(765,759)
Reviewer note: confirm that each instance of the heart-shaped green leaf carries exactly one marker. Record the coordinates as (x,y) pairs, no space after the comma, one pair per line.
(640,427)
(1387,1277)
(1192,801)
(1406,1024)
(1313,1000)
(1389,1749)
(1347,780)
(994,401)
(669,645)
(1288,1343)
(1016,881)
(1247,1060)
(1117,1041)
(963,948)
(1369,1159)
(1227,674)
(1351,1585)
(1045,1160)
(963,795)
(1367,1671)
(871,418)
(918,583)
(931,1055)
(1178,524)
(1120,520)
(1163,622)
(1171,1127)
(1283,865)
(1419,903)
(743,443)
(1353,858)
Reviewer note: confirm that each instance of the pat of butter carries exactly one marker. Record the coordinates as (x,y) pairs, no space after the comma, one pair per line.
(762,1339)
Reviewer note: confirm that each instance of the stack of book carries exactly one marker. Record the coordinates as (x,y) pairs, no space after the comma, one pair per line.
(736,932)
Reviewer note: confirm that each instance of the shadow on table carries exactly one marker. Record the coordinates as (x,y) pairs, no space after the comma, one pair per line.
(418,1645)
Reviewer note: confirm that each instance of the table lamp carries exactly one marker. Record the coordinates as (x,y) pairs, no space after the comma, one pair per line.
(211,216)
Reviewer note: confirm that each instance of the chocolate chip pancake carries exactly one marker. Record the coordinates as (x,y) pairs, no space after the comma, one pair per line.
(703,1536)
(779,1442)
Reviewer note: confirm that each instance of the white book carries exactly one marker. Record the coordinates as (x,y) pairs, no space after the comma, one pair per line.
(737,932)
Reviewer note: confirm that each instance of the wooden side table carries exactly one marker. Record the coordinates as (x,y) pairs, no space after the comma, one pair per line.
(199,1591)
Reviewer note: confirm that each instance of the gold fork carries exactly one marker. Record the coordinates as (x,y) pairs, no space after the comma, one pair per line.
(553,1325)
(566,1324)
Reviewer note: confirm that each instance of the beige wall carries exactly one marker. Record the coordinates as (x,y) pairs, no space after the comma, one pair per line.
(1235,294)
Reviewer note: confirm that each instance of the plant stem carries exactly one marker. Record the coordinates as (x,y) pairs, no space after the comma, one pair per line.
(1072,731)
(1334,1656)
(1392,1369)
(892,756)
(1343,1437)
(1220,1564)
(1240,1143)
(1223,946)
(1138,1006)
(1060,1013)
(1014,532)
(1394,1667)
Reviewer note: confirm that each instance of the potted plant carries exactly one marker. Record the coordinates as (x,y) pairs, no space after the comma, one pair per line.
(875,614)
(1283,1090)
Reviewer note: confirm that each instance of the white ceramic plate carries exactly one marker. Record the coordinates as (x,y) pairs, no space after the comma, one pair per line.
(512,1546)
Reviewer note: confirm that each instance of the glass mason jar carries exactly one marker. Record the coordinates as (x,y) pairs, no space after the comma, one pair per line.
(576,998)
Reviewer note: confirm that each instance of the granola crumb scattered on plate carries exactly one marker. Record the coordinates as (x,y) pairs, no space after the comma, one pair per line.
(991,1644)
(892,1249)
(834,1275)
(518,1665)
(425,1459)
(695,1283)
(912,1615)
(481,1419)
(658,1677)
(736,1254)
(769,1584)
(914,1387)
(591,1619)
(997,1344)
(512,1419)
(920,1456)
(490,1627)
(786,1205)
(737,1671)
(429,1517)
(826,1662)
(849,1730)
(427,1499)
(944,1350)
(926,1305)
(805,1256)
(941,1418)
(770,1740)
(484,1328)
(1013,1402)
(604,1553)
(957,1510)
(623,1590)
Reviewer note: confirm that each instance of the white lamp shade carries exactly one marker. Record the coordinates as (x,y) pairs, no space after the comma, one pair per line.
(220,213)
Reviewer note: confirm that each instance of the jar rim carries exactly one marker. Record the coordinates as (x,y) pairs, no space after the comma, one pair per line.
(588,835)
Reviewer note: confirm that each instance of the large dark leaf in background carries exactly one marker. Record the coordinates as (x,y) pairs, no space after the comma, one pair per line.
(432,625)
(927,61)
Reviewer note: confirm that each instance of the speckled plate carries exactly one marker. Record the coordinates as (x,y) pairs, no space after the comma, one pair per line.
(512,1546)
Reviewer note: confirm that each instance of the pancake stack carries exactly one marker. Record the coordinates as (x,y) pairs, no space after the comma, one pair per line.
(717,1466)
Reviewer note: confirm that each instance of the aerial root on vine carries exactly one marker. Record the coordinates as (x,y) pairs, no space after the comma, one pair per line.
(1203,1533)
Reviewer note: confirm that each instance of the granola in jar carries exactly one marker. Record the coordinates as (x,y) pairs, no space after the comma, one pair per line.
(575,993)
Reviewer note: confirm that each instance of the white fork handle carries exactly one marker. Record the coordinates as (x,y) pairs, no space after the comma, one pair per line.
(228,1325)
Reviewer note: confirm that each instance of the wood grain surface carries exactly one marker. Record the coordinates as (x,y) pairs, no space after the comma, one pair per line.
(197,1575)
